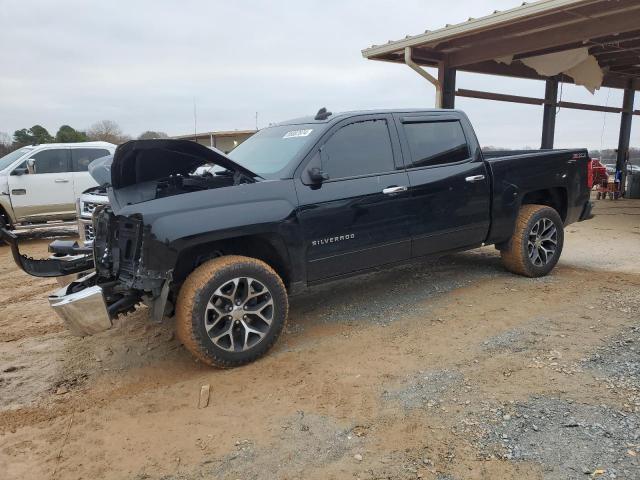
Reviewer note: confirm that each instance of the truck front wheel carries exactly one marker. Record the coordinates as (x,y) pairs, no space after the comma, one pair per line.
(536,244)
(231,310)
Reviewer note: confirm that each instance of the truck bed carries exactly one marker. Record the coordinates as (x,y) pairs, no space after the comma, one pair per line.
(561,174)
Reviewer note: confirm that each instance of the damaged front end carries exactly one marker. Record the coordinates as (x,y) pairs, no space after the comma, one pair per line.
(127,264)
(94,297)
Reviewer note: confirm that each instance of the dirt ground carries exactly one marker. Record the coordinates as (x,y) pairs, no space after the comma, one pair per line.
(449,369)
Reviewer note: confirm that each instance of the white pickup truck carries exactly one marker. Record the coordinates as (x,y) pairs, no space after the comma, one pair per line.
(41,183)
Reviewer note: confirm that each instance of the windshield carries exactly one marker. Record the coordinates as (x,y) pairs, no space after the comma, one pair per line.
(270,150)
(13,156)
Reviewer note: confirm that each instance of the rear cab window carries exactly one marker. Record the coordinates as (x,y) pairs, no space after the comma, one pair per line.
(82,157)
(358,149)
(434,142)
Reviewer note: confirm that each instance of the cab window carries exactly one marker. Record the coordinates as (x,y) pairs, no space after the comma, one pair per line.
(82,157)
(436,143)
(51,161)
(360,148)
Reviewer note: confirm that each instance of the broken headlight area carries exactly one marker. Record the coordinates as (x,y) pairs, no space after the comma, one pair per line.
(117,246)
(118,250)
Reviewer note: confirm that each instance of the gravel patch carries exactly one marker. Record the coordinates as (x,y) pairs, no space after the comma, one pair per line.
(509,340)
(570,440)
(617,364)
(305,441)
(425,389)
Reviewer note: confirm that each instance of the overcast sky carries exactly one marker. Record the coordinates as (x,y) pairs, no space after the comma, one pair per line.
(141,63)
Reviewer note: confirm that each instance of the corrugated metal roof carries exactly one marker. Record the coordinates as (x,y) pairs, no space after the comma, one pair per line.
(475,25)
(498,43)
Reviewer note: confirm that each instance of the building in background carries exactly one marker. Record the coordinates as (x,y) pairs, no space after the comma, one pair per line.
(225,141)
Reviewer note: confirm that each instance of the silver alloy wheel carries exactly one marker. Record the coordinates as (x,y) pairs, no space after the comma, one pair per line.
(542,242)
(239,314)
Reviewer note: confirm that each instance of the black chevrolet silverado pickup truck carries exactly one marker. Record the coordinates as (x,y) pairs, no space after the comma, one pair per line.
(219,241)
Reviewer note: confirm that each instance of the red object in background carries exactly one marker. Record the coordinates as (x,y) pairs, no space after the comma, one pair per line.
(596,173)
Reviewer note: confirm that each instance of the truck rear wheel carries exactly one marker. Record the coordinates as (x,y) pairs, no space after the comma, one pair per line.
(536,244)
(231,310)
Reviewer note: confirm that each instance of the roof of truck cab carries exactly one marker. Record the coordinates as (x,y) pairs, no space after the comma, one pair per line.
(339,115)
(74,144)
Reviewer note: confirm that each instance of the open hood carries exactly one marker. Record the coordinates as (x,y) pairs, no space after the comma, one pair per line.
(140,161)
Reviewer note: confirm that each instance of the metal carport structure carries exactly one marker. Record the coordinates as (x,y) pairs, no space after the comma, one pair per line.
(504,42)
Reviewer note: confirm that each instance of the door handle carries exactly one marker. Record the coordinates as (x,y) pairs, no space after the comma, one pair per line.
(474,178)
(19,191)
(61,180)
(392,190)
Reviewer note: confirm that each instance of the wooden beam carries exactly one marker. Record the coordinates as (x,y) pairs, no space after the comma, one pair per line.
(625,132)
(601,25)
(426,55)
(619,61)
(550,111)
(501,97)
(447,79)
(589,107)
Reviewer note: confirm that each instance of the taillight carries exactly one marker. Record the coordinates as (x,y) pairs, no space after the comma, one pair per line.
(590,174)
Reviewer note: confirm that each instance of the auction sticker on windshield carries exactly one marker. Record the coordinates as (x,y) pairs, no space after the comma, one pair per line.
(298,133)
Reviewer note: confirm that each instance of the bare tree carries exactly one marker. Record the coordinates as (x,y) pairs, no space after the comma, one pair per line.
(150,135)
(6,145)
(107,131)
(5,139)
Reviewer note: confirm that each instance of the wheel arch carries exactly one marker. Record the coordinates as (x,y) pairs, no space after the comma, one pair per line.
(268,247)
(555,198)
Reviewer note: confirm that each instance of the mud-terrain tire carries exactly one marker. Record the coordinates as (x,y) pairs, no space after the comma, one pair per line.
(231,310)
(536,244)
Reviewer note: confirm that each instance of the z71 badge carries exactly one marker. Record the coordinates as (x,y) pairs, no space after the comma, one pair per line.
(340,238)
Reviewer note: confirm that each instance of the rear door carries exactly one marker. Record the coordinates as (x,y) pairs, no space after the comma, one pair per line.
(47,193)
(358,218)
(449,183)
(80,160)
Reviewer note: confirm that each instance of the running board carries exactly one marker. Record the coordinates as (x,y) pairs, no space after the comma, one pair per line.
(38,226)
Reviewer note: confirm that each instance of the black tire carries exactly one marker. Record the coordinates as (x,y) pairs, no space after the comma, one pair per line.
(3,224)
(230,338)
(525,252)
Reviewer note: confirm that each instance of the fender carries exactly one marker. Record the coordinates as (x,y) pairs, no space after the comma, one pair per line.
(172,225)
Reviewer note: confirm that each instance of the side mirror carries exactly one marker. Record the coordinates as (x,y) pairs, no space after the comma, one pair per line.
(31,165)
(20,171)
(317,176)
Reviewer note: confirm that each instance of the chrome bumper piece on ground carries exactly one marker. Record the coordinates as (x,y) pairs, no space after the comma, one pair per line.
(84,312)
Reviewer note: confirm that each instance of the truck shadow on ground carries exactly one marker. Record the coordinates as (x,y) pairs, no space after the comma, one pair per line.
(384,296)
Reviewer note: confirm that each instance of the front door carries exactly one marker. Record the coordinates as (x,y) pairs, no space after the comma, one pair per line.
(449,184)
(357,218)
(46,192)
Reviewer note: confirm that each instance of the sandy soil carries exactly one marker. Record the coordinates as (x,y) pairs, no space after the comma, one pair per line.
(452,369)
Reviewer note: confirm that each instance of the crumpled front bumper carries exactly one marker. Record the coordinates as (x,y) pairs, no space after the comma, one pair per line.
(82,307)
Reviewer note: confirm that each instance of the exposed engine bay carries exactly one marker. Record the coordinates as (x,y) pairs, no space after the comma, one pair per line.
(179,184)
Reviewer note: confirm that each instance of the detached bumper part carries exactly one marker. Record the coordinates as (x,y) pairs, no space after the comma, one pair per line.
(84,311)
(61,248)
(53,267)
